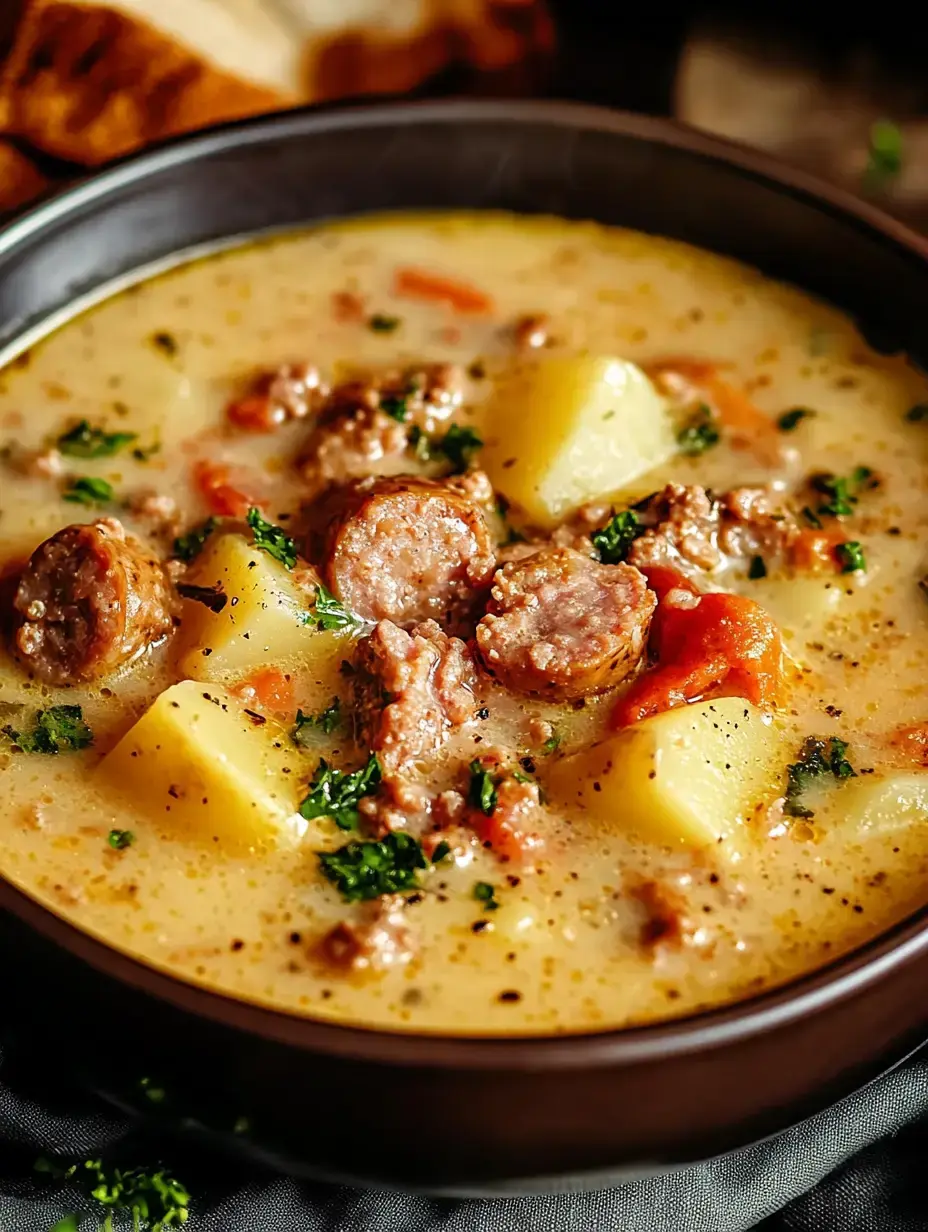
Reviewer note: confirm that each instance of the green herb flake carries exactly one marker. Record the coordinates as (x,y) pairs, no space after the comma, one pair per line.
(271,539)
(486,894)
(70,1223)
(89,491)
(884,155)
(851,557)
(459,446)
(156,1201)
(381,324)
(699,434)
(552,744)
(328,613)
(190,545)
(812,517)
(154,1093)
(119,840)
(365,870)
(57,729)
(420,444)
(335,794)
(441,852)
(790,420)
(757,568)
(86,441)
(817,760)
(613,540)
(842,492)
(917,413)
(482,792)
(327,721)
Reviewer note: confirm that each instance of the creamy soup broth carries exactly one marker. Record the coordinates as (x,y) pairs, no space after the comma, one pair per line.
(600,926)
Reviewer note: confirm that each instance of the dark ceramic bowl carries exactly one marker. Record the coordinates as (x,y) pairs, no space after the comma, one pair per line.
(463,1114)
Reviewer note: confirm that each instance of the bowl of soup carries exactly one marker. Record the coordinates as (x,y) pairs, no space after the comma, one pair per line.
(464,640)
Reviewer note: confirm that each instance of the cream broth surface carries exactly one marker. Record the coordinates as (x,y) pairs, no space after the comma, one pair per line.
(563,950)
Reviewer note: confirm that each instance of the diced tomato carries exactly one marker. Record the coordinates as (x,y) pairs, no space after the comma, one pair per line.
(816,551)
(214,482)
(269,689)
(420,284)
(256,413)
(725,645)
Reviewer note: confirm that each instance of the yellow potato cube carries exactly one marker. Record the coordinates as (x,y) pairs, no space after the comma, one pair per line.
(883,805)
(691,777)
(261,622)
(564,430)
(203,768)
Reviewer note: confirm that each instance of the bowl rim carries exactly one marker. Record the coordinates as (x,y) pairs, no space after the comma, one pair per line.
(849,975)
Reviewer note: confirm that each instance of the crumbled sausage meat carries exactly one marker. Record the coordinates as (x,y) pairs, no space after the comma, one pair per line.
(363,441)
(378,940)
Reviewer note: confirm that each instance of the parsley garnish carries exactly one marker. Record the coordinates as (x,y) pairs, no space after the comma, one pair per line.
(56,729)
(757,568)
(459,446)
(119,840)
(486,894)
(884,155)
(552,744)
(156,1198)
(851,556)
(482,792)
(420,444)
(88,491)
(336,794)
(842,492)
(328,721)
(213,597)
(328,613)
(817,760)
(441,852)
(84,441)
(187,546)
(365,870)
(699,434)
(812,517)
(790,420)
(917,413)
(271,539)
(382,324)
(613,540)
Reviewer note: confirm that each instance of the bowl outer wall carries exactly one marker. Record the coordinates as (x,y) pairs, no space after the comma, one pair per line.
(480,1112)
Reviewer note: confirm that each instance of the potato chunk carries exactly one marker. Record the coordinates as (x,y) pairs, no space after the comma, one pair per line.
(884,805)
(261,621)
(203,768)
(689,778)
(565,430)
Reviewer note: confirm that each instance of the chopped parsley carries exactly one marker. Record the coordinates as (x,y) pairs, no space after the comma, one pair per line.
(552,744)
(851,557)
(757,568)
(420,444)
(271,539)
(482,792)
(790,420)
(155,1200)
(213,597)
(842,492)
(812,517)
(382,324)
(699,434)
(190,545)
(165,343)
(57,729)
(335,794)
(328,721)
(119,840)
(459,446)
(328,613)
(613,540)
(884,155)
(917,413)
(85,441)
(441,852)
(89,491)
(817,760)
(486,894)
(364,870)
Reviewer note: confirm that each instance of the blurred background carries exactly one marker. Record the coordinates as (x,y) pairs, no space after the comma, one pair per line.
(845,96)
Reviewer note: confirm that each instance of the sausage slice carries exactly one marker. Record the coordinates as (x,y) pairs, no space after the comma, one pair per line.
(408,550)
(560,625)
(89,600)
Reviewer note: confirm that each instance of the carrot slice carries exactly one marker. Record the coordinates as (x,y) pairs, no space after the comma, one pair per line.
(420,284)
(912,743)
(224,499)
(816,551)
(256,413)
(269,688)
(726,645)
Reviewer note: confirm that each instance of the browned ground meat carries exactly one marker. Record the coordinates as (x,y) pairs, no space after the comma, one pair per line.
(561,625)
(574,533)
(357,443)
(89,600)
(407,549)
(379,939)
(668,923)
(755,522)
(428,679)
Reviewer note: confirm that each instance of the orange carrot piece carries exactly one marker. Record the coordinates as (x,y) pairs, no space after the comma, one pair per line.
(734,408)
(420,284)
(213,481)
(912,743)
(269,688)
(256,413)
(816,551)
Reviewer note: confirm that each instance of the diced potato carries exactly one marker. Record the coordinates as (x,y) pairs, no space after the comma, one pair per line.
(800,604)
(870,805)
(565,430)
(203,769)
(690,777)
(261,622)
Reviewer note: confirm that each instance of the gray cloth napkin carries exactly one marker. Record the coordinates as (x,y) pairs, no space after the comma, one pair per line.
(861,1166)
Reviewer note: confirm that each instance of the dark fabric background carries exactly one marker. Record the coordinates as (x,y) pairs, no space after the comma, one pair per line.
(872,1150)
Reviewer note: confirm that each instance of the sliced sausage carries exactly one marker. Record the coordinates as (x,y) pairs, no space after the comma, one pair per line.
(562,626)
(408,550)
(89,600)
